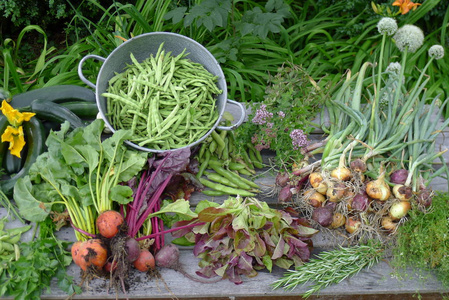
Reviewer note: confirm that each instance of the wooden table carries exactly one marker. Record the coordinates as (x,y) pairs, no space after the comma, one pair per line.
(380,282)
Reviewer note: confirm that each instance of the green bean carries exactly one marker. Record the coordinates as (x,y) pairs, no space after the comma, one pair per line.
(229,175)
(220,179)
(213,193)
(226,189)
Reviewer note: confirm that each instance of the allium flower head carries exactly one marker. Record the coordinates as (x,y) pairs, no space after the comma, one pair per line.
(436,52)
(393,68)
(410,37)
(387,26)
(299,139)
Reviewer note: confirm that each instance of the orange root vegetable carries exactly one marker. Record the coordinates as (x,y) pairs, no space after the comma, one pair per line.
(145,261)
(108,223)
(92,253)
(75,250)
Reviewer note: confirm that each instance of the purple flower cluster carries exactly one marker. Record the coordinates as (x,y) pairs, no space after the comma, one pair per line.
(281,114)
(299,139)
(262,115)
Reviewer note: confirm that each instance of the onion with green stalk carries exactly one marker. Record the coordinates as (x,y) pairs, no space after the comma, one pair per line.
(392,131)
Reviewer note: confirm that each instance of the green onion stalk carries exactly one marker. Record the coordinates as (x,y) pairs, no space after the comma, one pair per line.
(399,133)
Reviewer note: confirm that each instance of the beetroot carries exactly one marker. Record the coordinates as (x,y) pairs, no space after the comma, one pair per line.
(132,249)
(168,257)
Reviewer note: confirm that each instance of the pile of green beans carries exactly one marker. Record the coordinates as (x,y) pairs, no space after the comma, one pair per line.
(166,101)
(9,243)
(223,166)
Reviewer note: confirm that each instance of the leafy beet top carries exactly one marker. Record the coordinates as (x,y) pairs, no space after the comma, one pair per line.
(244,235)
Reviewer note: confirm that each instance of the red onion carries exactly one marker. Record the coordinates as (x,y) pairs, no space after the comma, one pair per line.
(425,197)
(282,179)
(285,195)
(399,176)
(323,216)
(360,202)
(358,165)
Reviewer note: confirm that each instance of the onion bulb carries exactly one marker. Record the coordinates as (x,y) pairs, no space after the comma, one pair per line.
(338,220)
(317,182)
(360,202)
(352,224)
(323,216)
(358,165)
(399,176)
(336,191)
(282,179)
(314,198)
(399,209)
(388,224)
(402,192)
(341,173)
(285,195)
(378,189)
(425,197)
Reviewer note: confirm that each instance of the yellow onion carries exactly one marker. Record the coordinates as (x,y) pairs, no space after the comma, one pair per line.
(317,182)
(399,209)
(388,224)
(336,191)
(338,220)
(402,192)
(378,189)
(341,173)
(352,224)
(314,198)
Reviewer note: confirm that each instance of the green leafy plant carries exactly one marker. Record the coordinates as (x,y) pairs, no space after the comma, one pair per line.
(40,262)
(282,121)
(80,172)
(422,242)
(244,235)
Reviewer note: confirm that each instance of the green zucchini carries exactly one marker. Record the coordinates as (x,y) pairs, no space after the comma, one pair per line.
(82,109)
(35,139)
(12,164)
(54,112)
(55,94)
(3,145)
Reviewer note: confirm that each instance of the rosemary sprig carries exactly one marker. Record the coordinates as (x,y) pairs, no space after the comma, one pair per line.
(331,267)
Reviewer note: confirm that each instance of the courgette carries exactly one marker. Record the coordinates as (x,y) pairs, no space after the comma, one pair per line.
(55,94)
(35,139)
(82,109)
(54,112)
(3,145)
(12,164)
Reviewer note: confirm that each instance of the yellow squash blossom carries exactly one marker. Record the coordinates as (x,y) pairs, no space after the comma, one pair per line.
(15,138)
(14,132)
(405,5)
(15,117)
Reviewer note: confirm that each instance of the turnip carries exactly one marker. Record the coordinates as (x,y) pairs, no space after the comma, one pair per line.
(168,257)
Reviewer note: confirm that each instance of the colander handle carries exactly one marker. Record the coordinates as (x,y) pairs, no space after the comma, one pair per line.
(240,121)
(80,68)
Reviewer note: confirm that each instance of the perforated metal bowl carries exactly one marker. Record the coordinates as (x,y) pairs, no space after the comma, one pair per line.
(142,47)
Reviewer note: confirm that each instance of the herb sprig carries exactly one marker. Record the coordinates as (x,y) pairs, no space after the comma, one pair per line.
(423,241)
(330,267)
(41,260)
